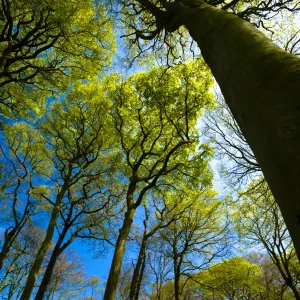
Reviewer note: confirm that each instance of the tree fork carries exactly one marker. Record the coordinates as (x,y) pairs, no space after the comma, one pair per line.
(261,85)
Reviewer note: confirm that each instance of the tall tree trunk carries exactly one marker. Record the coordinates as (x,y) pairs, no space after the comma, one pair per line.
(115,269)
(47,275)
(137,270)
(33,274)
(177,293)
(261,85)
(176,267)
(50,267)
(140,279)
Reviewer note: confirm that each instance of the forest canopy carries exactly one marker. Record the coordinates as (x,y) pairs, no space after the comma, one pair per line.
(156,138)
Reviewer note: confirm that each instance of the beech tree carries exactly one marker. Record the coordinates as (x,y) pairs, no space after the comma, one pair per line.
(259,221)
(237,162)
(74,130)
(274,286)
(231,279)
(68,278)
(196,238)
(82,213)
(155,115)
(164,207)
(19,259)
(25,159)
(160,267)
(259,80)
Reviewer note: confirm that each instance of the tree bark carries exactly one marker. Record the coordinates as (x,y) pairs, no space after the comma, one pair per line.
(50,267)
(33,274)
(115,269)
(47,275)
(133,295)
(261,85)
(177,294)
(176,267)
(140,279)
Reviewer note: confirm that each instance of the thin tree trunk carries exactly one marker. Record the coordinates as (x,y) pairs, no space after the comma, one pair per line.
(115,269)
(33,274)
(176,267)
(47,275)
(176,283)
(137,270)
(261,85)
(140,279)
(50,267)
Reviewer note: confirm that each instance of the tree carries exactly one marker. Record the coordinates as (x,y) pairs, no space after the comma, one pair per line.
(259,81)
(82,213)
(259,221)
(95,288)
(124,282)
(19,259)
(231,279)
(160,266)
(274,286)
(164,207)
(258,217)
(158,139)
(196,238)
(82,162)
(68,278)
(25,159)
(43,50)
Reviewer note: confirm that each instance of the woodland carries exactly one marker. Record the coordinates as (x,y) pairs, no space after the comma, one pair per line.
(162,136)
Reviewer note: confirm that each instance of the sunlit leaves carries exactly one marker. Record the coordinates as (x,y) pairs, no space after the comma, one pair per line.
(231,279)
(156,112)
(46,46)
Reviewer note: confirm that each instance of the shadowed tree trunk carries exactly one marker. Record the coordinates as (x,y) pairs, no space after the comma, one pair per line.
(140,279)
(138,269)
(58,249)
(176,267)
(261,85)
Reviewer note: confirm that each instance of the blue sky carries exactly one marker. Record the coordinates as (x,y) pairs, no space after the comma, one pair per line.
(100,266)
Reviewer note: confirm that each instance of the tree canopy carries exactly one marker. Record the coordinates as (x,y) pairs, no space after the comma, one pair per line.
(99,156)
(46,46)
